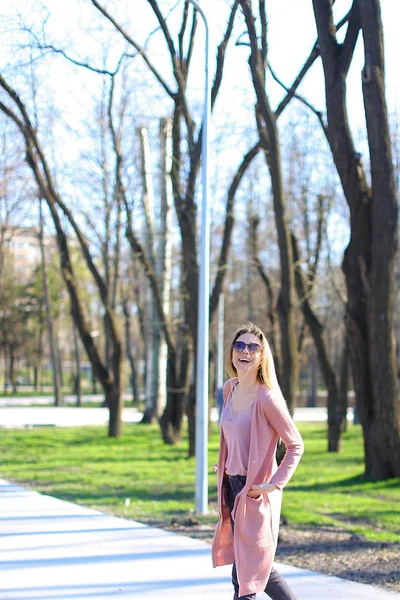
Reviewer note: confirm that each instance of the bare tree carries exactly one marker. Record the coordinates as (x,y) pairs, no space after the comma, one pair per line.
(186,155)
(110,378)
(336,386)
(269,140)
(369,258)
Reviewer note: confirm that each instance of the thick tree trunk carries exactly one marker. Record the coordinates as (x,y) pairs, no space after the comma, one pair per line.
(368,260)
(114,400)
(379,281)
(171,421)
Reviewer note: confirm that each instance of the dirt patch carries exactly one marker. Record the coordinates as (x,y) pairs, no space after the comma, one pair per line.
(329,550)
(337,552)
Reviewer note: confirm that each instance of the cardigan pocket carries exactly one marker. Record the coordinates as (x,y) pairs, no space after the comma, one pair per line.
(256,526)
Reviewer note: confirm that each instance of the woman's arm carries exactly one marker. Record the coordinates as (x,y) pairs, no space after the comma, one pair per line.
(278,416)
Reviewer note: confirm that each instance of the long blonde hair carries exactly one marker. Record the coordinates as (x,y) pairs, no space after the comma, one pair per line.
(266,372)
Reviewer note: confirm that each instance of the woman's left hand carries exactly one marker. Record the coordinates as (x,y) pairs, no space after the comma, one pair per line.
(261,488)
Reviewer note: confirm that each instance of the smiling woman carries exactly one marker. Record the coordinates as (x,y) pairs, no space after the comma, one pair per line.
(250,483)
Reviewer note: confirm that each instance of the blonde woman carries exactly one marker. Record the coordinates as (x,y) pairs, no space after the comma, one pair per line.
(254,417)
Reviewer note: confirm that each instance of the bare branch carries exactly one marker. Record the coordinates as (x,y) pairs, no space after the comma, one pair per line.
(164,27)
(11,114)
(353,29)
(221,52)
(137,47)
(320,226)
(74,61)
(178,74)
(314,54)
(264,45)
(182,32)
(191,41)
(318,113)
(134,243)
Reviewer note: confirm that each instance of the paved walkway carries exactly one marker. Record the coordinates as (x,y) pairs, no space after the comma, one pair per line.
(51,549)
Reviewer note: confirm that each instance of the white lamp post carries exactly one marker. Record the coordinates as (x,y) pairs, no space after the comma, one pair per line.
(204,295)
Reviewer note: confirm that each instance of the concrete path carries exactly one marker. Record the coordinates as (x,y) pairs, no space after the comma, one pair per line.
(51,416)
(51,549)
(23,415)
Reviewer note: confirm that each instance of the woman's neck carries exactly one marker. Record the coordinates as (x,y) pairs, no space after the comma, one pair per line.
(248,383)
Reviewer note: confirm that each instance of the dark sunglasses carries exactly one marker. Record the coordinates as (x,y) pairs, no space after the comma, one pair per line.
(240,347)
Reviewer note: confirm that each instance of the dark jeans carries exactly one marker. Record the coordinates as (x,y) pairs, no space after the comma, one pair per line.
(276,588)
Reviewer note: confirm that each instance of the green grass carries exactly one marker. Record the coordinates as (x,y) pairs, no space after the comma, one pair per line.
(84,466)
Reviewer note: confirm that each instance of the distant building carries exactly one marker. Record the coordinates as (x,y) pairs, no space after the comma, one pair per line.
(24,251)
(21,249)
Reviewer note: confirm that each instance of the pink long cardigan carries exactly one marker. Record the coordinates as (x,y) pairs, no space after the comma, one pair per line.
(254,543)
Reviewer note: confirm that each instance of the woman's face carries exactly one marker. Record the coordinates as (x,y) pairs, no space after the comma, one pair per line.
(246,361)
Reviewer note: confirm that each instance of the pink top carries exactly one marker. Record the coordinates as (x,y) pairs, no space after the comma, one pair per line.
(236,428)
(252,546)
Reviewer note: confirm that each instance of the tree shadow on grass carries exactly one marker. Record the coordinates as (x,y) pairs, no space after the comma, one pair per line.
(349,482)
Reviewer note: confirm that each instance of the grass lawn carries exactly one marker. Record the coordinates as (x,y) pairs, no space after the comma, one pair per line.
(82,465)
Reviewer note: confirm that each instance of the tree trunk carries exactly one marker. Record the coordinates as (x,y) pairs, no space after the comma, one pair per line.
(272,317)
(38,366)
(5,383)
(153,332)
(11,369)
(114,397)
(269,140)
(312,396)
(328,372)
(379,282)
(286,312)
(164,258)
(77,382)
(369,257)
(49,316)
(191,417)
(115,403)
(128,343)
(344,384)
(171,421)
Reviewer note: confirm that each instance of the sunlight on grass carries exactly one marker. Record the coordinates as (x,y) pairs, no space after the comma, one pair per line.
(82,465)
